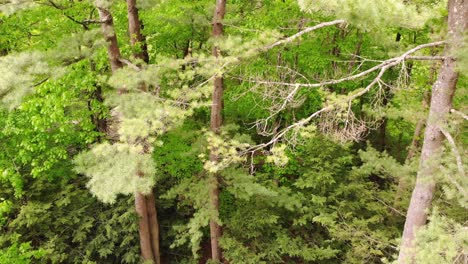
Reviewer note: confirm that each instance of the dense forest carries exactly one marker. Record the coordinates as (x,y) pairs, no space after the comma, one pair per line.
(233,131)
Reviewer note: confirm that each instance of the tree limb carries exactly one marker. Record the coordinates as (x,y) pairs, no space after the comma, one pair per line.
(302,32)
(392,61)
(383,67)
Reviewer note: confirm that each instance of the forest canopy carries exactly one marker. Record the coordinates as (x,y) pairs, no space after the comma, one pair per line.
(233,131)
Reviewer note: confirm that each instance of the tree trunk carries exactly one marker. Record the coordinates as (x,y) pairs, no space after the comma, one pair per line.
(416,141)
(215,125)
(134,29)
(137,40)
(144,228)
(357,53)
(153,226)
(441,102)
(107,26)
(113,52)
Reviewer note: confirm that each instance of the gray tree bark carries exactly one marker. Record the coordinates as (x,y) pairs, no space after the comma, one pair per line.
(441,102)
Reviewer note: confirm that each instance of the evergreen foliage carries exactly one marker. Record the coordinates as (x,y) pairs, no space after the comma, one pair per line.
(78,141)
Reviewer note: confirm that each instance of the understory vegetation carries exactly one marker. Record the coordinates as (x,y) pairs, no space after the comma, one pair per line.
(238,131)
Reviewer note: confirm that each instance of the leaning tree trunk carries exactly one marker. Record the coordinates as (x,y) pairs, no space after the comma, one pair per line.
(215,125)
(113,52)
(148,216)
(441,102)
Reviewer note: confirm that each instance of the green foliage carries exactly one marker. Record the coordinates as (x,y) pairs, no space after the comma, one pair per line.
(19,72)
(375,14)
(20,253)
(73,226)
(312,201)
(48,128)
(114,169)
(441,241)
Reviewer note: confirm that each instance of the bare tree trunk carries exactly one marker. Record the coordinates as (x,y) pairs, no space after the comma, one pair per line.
(113,52)
(153,226)
(107,26)
(402,184)
(441,102)
(215,125)
(144,229)
(134,29)
(382,134)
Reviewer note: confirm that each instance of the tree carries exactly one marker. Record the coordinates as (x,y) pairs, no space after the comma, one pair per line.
(215,125)
(148,225)
(138,42)
(282,173)
(441,104)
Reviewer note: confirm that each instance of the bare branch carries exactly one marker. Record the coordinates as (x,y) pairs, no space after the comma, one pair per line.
(130,64)
(453,111)
(383,67)
(56,6)
(456,153)
(426,58)
(391,207)
(392,62)
(302,32)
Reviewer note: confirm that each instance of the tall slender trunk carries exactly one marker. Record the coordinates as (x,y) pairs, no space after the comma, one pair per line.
(215,125)
(382,134)
(107,26)
(113,52)
(149,216)
(137,39)
(441,102)
(419,129)
(153,226)
(144,227)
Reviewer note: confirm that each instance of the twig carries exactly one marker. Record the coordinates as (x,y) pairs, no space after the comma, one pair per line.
(457,157)
(453,111)
(130,64)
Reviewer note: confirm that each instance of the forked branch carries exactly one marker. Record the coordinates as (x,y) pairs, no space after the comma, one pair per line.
(382,68)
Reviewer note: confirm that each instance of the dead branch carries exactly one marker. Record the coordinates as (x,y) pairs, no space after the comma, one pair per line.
(461,114)
(383,67)
(302,32)
(456,153)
